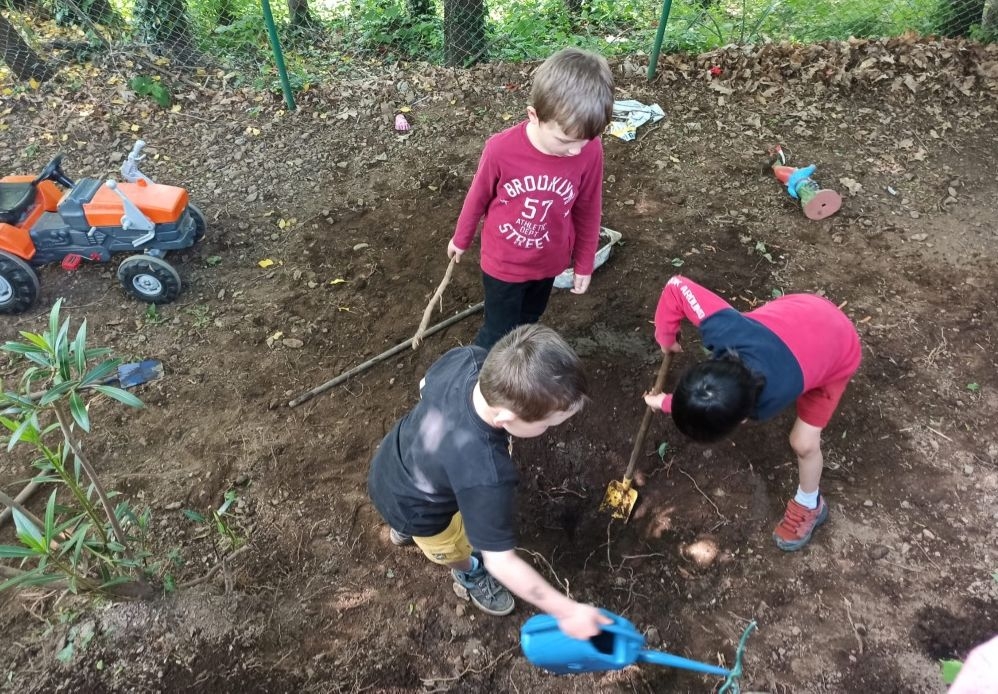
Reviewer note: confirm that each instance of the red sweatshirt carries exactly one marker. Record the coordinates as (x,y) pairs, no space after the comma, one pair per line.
(542,212)
(803,345)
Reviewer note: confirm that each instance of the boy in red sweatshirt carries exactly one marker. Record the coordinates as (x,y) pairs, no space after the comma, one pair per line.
(798,348)
(539,187)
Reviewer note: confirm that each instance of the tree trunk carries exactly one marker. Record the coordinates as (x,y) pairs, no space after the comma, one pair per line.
(956,17)
(989,19)
(301,15)
(166,23)
(101,12)
(464,32)
(20,57)
(420,8)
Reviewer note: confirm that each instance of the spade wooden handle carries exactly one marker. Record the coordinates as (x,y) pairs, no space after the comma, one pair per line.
(639,440)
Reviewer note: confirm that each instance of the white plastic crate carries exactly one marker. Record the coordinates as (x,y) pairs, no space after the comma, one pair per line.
(607,239)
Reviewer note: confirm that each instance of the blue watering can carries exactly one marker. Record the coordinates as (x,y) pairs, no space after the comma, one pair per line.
(619,644)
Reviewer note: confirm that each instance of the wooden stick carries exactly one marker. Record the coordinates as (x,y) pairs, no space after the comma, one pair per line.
(15,504)
(383,356)
(438,296)
(639,440)
(20,499)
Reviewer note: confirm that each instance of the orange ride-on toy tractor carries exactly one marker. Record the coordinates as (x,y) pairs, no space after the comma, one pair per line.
(91,220)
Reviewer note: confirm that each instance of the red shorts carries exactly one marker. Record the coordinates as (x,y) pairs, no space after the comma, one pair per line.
(816,406)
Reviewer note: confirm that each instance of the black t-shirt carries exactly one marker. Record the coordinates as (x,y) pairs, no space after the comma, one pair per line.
(442,457)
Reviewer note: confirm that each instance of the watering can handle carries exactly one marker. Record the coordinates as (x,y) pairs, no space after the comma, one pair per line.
(639,440)
(669,660)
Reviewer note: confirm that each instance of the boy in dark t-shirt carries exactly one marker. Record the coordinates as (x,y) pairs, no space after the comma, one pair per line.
(443,477)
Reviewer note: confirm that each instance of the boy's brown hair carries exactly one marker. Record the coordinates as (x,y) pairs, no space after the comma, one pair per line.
(533,373)
(574,88)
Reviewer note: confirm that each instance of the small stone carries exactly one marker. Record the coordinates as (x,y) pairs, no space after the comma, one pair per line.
(292,343)
(914,214)
(252,196)
(918,237)
(868,503)
(968,469)
(173,505)
(927,534)
(795,631)
(905,504)
(878,552)
(242,479)
(361,246)
(460,609)
(905,548)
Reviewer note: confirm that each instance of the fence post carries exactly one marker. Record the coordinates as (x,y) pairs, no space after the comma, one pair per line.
(275,43)
(659,35)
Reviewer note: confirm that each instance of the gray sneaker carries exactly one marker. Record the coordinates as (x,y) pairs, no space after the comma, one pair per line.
(484,591)
(399,539)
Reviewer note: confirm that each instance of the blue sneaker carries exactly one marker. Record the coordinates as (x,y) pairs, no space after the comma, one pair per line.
(484,591)
(399,539)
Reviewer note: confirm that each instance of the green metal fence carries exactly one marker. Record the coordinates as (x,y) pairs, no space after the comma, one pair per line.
(325,39)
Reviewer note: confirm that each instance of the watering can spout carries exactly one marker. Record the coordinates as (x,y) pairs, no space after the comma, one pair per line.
(669,660)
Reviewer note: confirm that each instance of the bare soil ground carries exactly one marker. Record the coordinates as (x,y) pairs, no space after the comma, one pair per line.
(356,220)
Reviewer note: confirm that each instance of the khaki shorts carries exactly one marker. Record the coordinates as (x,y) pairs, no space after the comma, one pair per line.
(447,547)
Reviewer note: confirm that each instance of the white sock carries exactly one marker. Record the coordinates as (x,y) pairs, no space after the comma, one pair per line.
(808,500)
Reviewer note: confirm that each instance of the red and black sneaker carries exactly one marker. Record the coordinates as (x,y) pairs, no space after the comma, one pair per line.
(798,524)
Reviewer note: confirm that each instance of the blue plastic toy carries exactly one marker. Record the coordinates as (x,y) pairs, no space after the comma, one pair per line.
(619,645)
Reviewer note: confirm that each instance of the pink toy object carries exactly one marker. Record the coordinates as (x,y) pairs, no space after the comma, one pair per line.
(816,201)
(401,124)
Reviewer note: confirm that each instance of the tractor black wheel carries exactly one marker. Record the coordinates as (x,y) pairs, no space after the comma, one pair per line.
(149,279)
(18,284)
(200,225)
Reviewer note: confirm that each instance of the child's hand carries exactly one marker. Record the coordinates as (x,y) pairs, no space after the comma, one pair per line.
(655,401)
(581,284)
(583,621)
(454,252)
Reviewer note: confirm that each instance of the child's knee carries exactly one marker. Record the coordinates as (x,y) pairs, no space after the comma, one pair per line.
(805,441)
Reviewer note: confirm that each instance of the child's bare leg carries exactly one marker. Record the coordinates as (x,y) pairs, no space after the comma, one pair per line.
(805,439)
(806,511)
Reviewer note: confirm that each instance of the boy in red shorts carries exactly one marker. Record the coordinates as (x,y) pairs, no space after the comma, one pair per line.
(798,348)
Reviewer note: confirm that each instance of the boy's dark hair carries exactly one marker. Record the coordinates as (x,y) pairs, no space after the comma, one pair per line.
(533,373)
(714,397)
(574,88)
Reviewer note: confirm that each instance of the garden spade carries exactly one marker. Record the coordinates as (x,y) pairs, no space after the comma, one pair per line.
(621,496)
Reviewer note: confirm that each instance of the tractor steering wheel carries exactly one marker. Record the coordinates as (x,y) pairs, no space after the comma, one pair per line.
(53,172)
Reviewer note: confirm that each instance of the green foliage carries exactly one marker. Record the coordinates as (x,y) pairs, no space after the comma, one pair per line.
(218,526)
(387,27)
(153,89)
(152,316)
(84,541)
